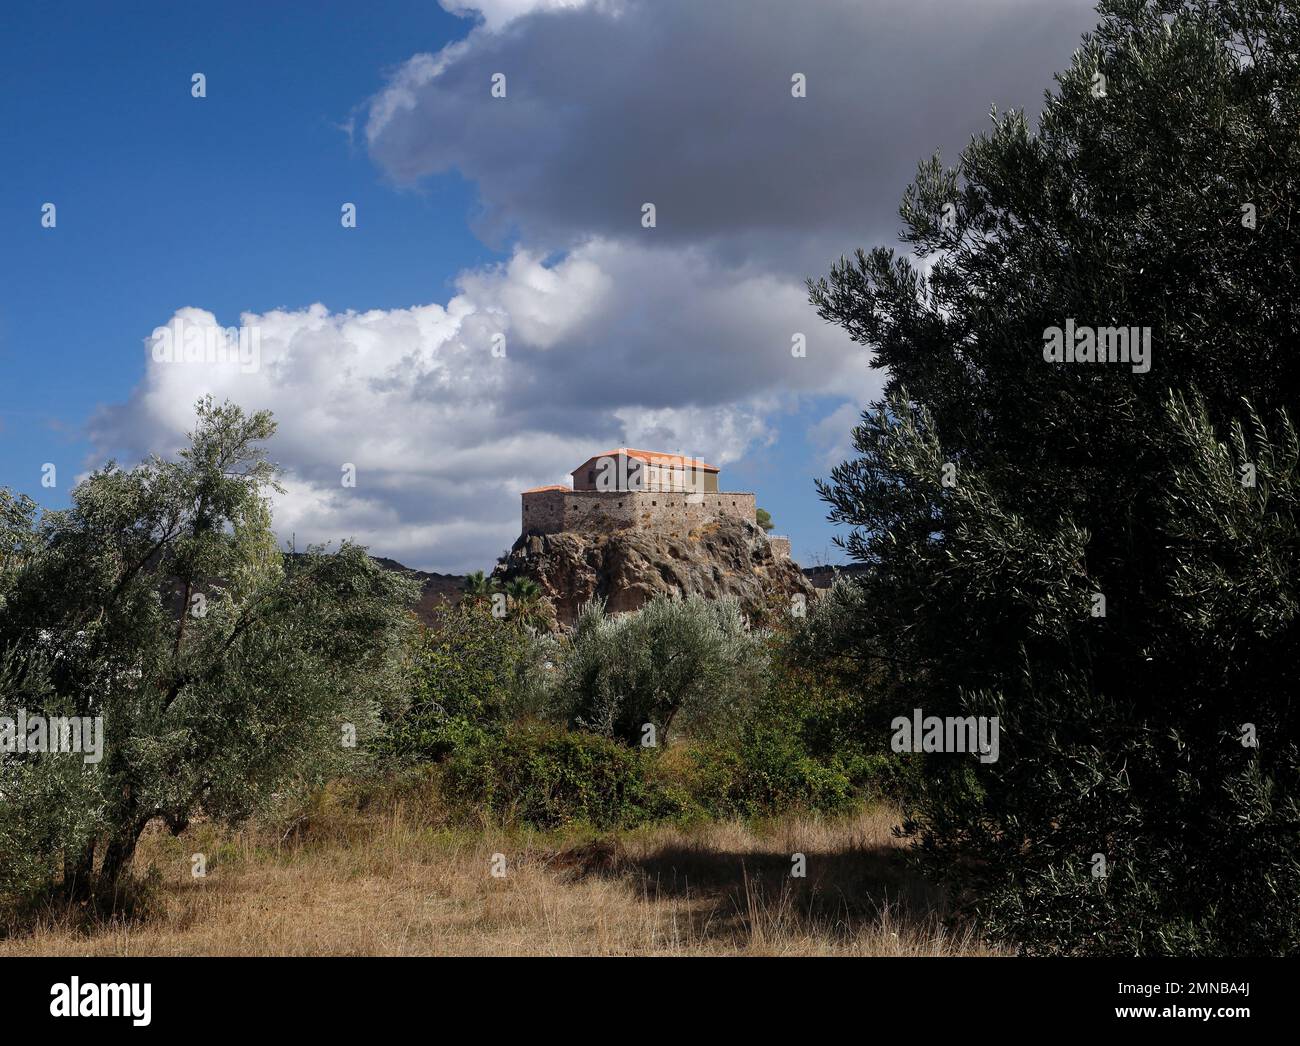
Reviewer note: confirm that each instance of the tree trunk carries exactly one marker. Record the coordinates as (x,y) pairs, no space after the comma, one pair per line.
(79,872)
(668,721)
(118,854)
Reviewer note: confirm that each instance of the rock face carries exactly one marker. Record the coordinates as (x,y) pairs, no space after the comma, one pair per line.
(728,557)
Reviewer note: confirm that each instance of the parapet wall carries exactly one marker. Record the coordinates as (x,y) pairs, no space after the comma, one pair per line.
(552,511)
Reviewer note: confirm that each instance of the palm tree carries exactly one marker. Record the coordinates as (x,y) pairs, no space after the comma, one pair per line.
(479,587)
(520,589)
(529,606)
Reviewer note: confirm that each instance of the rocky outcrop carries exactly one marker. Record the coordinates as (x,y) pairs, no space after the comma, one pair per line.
(626,567)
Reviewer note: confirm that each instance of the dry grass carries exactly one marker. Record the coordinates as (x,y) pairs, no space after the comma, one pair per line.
(400,880)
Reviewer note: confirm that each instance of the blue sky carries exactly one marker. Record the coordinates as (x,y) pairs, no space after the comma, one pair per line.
(476,216)
(163,200)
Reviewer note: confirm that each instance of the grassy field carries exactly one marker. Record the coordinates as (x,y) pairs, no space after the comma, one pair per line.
(397,878)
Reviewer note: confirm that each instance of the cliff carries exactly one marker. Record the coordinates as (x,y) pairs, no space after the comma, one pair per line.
(727,557)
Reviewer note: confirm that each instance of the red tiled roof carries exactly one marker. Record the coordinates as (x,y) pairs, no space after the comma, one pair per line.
(652,457)
(553,486)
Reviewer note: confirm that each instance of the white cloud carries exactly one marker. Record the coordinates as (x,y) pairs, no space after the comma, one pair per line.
(542,305)
(609,345)
(497,14)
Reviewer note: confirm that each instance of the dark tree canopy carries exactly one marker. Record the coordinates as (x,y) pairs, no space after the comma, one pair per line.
(996,495)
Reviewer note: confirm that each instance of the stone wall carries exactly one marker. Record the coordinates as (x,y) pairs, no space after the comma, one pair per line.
(553,511)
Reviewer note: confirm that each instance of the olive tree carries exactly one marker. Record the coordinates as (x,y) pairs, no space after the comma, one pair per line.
(1100,553)
(224,671)
(690,662)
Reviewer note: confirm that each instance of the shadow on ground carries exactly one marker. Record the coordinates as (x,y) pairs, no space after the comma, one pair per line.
(733,894)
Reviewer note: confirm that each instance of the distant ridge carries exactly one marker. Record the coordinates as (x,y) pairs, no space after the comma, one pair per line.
(436,590)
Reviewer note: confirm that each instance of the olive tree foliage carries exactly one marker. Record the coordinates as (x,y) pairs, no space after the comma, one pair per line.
(225,671)
(687,663)
(1106,560)
(45,804)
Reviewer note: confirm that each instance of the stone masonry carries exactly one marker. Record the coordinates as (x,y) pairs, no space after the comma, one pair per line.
(557,509)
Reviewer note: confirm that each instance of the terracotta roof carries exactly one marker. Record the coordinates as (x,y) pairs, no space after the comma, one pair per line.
(652,457)
(553,486)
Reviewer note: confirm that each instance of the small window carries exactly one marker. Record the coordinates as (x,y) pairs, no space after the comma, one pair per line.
(591,476)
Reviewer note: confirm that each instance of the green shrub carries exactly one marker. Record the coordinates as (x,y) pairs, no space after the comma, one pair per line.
(545,776)
(470,673)
(764,735)
(816,725)
(768,774)
(779,775)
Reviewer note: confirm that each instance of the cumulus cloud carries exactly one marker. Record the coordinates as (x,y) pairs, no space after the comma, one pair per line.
(447,412)
(409,397)
(677,337)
